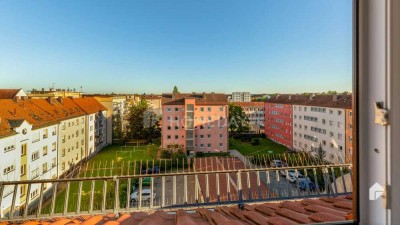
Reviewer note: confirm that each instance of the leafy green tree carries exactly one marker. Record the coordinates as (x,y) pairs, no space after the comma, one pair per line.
(238,120)
(117,133)
(175,91)
(142,123)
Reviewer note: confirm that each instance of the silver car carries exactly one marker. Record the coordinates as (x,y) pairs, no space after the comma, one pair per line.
(145,195)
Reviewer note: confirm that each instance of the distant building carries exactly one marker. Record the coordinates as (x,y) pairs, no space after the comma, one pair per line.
(198,122)
(278,118)
(255,114)
(12,94)
(54,93)
(154,103)
(303,123)
(117,110)
(241,97)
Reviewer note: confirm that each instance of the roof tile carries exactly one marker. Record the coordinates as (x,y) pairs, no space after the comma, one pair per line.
(325,217)
(290,214)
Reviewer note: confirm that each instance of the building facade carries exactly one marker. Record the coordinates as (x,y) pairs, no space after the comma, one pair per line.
(197,122)
(255,113)
(54,93)
(349,135)
(241,97)
(42,139)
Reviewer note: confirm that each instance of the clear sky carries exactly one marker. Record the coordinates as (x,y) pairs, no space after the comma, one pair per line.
(148,46)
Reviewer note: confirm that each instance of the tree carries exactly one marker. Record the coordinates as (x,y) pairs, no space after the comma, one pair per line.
(319,153)
(175,91)
(238,120)
(142,123)
(117,133)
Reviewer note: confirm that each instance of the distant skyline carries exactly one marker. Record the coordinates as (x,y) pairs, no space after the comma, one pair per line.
(260,46)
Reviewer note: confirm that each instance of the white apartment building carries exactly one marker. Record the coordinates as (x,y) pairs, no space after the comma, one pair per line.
(315,124)
(117,108)
(95,124)
(241,97)
(255,114)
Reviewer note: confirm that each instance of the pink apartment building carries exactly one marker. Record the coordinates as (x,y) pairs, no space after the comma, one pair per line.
(198,122)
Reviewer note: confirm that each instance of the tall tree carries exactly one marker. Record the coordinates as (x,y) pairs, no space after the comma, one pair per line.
(175,91)
(142,123)
(319,153)
(238,120)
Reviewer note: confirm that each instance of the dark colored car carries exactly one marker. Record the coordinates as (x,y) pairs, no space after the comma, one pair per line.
(303,184)
(156,169)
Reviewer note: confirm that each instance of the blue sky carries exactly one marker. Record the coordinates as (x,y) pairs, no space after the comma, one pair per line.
(148,46)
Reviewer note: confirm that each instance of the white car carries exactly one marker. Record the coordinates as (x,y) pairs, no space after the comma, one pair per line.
(292,176)
(276,163)
(145,195)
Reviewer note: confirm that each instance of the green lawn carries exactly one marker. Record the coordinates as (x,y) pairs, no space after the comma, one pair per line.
(265,146)
(109,161)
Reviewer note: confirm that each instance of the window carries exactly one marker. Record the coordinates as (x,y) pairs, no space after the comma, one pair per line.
(209,109)
(44,150)
(9,148)
(202,109)
(201,145)
(209,145)
(53,146)
(63,153)
(44,167)
(208,136)
(176,109)
(221,144)
(169,128)
(53,162)
(23,170)
(201,136)
(169,109)
(176,127)
(168,118)
(221,109)
(35,156)
(8,169)
(169,137)
(209,118)
(221,135)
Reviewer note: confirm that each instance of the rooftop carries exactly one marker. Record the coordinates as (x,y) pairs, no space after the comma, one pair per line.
(249,104)
(331,101)
(306,211)
(8,93)
(200,98)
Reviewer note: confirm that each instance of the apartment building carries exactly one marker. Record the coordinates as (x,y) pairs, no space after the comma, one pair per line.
(55,93)
(95,124)
(241,97)
(321,121)
(117,108)
(255,114)
(154,103)
(349,135)
(198,122)
(28,148)
(279,118)
(43,138)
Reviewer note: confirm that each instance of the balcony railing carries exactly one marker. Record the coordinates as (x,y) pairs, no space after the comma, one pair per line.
(212,181)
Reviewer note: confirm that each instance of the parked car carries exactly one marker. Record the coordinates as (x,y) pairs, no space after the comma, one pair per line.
(292,176)
(276,163)
(303,184)
(283,172)
(156,169)
(145,195)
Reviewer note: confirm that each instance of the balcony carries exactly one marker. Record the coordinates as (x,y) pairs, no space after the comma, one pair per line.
(208,183)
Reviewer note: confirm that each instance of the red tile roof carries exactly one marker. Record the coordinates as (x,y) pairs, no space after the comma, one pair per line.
(8,93)
(274,213)
(249,104)
(200,98)
(43,112)
(89,105)
(341,101)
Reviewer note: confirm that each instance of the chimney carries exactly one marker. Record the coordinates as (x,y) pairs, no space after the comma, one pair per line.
(61,100)
(277,96)
(334,98)
(50,100)
(290,97)
(312,95)
(15,112)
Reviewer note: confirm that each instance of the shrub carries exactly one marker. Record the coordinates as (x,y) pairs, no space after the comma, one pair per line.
(255,141)
(166,154)
(199,154)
